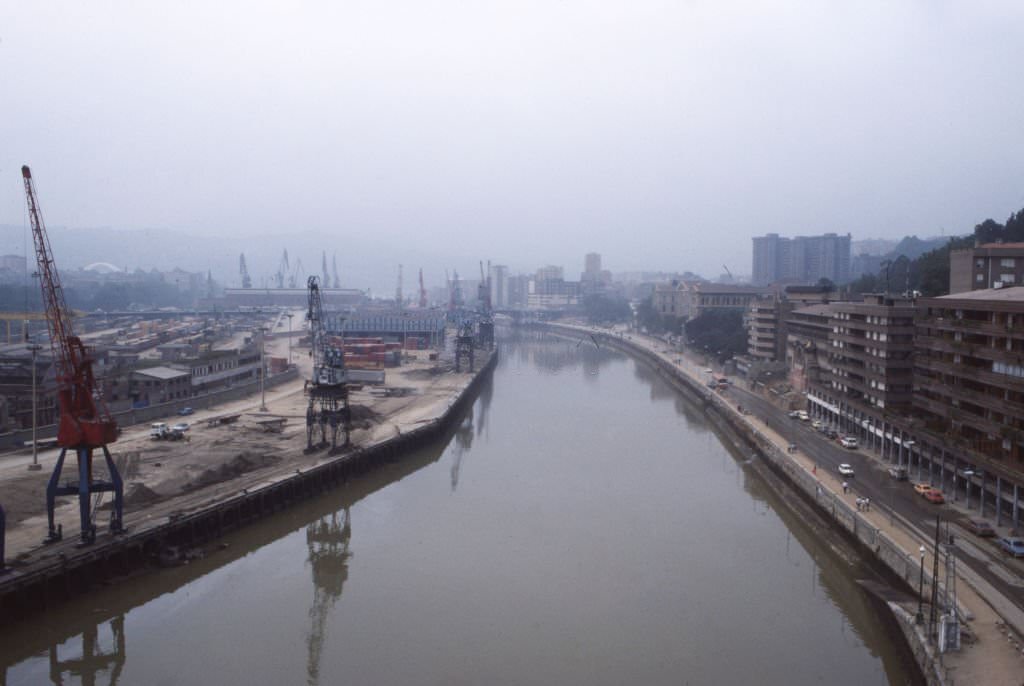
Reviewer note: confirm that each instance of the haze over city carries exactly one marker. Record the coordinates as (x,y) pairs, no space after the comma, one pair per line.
(663,135)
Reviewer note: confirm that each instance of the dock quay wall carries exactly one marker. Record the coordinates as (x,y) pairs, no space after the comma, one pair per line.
(47,584)
(872,543)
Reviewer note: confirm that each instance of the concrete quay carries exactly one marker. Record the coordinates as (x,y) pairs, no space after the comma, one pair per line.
(992,650)
(187,509)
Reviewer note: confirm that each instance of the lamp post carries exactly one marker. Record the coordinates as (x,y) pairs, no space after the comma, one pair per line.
(919,618)
(35,466)
(290,315)
(263,372)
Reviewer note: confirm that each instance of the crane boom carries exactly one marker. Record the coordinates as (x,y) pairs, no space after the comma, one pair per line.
(84,419)
(85,422)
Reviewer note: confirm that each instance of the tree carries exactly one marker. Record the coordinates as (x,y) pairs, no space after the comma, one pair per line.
(720,332)
(601,308)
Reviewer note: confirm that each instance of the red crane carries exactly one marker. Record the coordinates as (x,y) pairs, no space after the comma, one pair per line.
(85,422)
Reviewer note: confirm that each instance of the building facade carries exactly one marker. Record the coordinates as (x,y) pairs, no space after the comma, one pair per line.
(969,378)
(802,260)
(990,265)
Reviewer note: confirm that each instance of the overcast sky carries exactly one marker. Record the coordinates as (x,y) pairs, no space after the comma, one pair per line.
(661,134)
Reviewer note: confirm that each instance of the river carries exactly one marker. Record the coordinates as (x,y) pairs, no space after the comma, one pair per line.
(583,525)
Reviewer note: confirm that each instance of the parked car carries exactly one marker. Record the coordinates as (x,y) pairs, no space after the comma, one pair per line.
(831,433)
(846,470)
(979,527)
(848,442)
(934,495)
(180,426)
(794,414)
(1012,545)
(185,411)
(158,430)
(922,488)
(898,473)
(816,424)
(803,416)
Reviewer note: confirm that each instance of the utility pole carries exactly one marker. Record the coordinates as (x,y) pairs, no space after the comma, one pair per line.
(35,466)
(263,372)
(290,315)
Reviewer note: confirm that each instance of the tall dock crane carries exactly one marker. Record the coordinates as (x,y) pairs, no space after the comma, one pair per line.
(328,408)
(85,422)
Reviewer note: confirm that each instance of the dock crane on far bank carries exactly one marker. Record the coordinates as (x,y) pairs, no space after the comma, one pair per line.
(328,389)
(243,272)
(85,422)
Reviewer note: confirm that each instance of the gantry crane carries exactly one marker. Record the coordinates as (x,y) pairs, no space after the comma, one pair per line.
(485,326)
(328,389)
(85,422)
(283,270)
(243,272)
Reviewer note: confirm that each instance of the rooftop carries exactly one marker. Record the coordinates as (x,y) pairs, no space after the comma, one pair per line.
(822,310)
(1012,294)
(163,373)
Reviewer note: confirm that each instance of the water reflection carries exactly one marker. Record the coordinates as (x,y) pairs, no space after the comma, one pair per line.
(33,647)
(607,552)
(462,445)
(93,660)
(328,540)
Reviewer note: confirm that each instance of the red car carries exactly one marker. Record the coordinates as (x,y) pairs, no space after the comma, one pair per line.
(934,495)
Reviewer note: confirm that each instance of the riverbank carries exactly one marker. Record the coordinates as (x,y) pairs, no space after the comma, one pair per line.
(264,473)
(988,655)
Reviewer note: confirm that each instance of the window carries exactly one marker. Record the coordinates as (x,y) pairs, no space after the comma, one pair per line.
(979,278)
(1006,278)
(979,264)
(1007,262)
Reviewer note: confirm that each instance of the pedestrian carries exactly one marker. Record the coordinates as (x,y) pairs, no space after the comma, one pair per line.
(859,504)
(846,487)
(814,469)
(867,504)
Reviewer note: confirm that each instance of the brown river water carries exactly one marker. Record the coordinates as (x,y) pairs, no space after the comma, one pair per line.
(582,525)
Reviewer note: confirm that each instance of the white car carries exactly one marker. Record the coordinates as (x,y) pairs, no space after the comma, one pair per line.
(846,470)
(848,442)
(181,426)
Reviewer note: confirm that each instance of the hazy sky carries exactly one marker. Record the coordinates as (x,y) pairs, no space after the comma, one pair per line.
(661,134)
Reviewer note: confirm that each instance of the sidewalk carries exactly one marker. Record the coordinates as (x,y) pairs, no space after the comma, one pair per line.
(992,652)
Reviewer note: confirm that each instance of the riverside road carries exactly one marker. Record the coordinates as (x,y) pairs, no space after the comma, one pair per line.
(873,481)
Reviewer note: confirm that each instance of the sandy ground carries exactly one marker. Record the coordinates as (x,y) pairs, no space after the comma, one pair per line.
(165,476)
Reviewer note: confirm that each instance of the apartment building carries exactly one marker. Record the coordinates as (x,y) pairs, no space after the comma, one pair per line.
(969,378)
(802,259)
(868,383)
(990,265)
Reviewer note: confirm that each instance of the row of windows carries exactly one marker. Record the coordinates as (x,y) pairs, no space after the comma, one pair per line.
(1007,369)
(1007,262)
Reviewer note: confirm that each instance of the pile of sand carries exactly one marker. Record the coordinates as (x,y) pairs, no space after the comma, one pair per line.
(140,494)
(240,464)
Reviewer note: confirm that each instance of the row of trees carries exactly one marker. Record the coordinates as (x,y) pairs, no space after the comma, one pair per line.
(929,273)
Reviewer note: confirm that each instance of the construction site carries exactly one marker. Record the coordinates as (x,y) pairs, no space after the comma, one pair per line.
(145,422)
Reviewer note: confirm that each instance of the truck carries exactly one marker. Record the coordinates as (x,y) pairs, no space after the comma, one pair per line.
(159,431)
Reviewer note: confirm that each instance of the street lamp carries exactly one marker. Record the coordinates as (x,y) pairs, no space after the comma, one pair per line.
(263,372)
(919,618)
(35,466)
(290,315)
